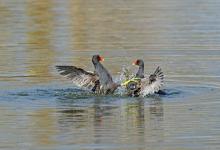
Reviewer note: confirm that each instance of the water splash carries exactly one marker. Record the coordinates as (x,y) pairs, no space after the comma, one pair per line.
(146,89)
(124,75)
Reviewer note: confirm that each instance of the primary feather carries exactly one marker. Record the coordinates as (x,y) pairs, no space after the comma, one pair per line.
(152,84)
(79,76)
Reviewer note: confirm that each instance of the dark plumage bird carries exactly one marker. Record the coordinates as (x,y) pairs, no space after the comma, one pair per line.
(99,82)
(140,72)
(145,86)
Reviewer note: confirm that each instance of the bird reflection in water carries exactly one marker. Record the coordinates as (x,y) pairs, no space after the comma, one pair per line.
(156,119)
(138,120)
(143,120)
(86,121)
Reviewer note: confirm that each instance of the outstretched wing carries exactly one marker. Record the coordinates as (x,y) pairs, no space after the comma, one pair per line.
(153,83)
(79,76)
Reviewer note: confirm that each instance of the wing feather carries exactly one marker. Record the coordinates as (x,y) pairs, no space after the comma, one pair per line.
(79,76)
(152,84)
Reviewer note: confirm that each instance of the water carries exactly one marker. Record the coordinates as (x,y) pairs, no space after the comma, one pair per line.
(41,110)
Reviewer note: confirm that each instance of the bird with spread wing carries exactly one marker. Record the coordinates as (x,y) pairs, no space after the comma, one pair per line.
(139,85)
(99,82)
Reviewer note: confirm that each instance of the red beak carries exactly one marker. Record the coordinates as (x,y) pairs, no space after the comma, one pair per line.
(135,62)
(101,58)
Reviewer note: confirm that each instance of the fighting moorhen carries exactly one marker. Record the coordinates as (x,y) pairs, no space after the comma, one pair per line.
(99,82)
(141,85)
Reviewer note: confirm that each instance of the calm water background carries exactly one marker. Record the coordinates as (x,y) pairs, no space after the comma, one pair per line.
(41,110)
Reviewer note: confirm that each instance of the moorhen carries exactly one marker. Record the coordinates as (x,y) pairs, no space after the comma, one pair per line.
(141,85)
(99,82)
